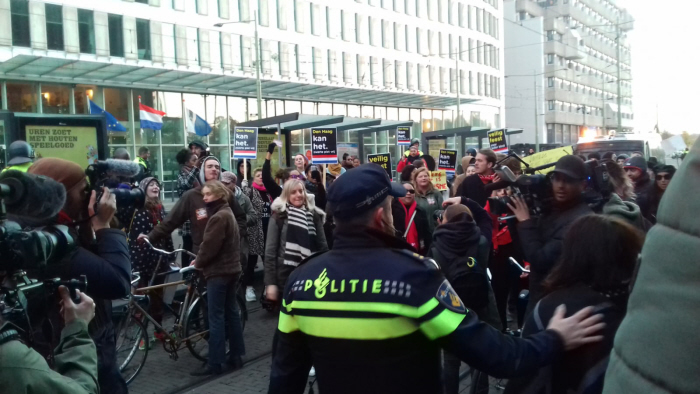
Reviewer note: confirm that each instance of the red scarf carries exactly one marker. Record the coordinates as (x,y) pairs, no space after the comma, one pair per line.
(486,179)
(412,236)
(259,187)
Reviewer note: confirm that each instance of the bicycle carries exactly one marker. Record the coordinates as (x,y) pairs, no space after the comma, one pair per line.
(190,329)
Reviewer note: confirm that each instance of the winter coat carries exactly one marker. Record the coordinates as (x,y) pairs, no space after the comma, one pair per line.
(144,259)
(452,241)
(219,253)
(474,189)
(23,370)
(656,347)
(642,188)
(272,187)
(191,207)
(541,239)
(581,370)
(256,239)
(421,222)
(430,202)
(276,272)
(627,211)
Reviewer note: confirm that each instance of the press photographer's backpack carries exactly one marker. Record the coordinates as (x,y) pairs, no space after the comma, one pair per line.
(467,276)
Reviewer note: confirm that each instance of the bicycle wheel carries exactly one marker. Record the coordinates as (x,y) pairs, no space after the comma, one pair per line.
(197,322)
(130,359)
(479,383)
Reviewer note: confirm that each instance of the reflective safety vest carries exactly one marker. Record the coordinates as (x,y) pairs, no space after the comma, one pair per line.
(19,167)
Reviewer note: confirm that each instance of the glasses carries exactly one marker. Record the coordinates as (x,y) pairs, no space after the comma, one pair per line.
(408,191)
(664,177)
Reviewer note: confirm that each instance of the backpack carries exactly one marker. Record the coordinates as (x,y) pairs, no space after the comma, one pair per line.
(467,276)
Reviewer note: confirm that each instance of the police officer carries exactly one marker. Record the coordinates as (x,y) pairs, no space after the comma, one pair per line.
(142,161)
(21,156)
(371,316)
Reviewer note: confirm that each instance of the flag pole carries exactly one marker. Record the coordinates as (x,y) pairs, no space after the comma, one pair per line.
(140,128)
(245,169)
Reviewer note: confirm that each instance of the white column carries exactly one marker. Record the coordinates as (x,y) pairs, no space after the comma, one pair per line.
(131,50)
(3,94)
(71,100)
(37,24)
(39,97)
(5,25)
(156,29)
(71,40)
(101,34)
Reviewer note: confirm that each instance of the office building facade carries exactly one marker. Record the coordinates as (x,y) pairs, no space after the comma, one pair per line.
(561,64)
(383,59)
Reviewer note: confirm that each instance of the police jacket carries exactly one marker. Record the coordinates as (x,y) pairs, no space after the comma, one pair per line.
(372,317)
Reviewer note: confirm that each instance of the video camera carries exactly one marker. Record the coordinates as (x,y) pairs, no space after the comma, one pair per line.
(22,300)
(536,189)
(106,174)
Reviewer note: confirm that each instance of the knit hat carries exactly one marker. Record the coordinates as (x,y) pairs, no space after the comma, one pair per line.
(228,177)
(636,162)
(143,185)
(63,171)
(571,166)
(665,168)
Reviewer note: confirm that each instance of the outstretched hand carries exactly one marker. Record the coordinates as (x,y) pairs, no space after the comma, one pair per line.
(577,330)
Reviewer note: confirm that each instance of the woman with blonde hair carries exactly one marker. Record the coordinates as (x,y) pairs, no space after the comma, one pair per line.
(294,233)
(427,197)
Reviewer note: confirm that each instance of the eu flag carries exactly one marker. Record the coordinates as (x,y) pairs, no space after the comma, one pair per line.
(112,123)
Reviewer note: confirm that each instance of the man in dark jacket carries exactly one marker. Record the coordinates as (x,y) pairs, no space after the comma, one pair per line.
(474,186)
(106,262)
(541,238)
(191,206)
(636,168)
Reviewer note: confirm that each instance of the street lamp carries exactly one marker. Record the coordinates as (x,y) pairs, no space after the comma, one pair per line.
(258,57)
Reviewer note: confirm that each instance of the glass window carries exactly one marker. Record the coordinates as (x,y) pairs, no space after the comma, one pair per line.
(291,107)
(81,95)
(392,113)
(217,117)
(367,111)
(325,109)
(236,111)
(171,104)
(279,107)
(19,10)
(21,97)
(144,136)
(308,108)
(55,99)
(143,39)
(86,31)
(339,109)
(116,103)
(116,35)
(354,110)
(54,27)
(253,109)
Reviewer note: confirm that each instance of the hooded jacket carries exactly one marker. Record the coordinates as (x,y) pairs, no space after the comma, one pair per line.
(238,211)
(656,345)
(276,272)
(219,253)
(627,211)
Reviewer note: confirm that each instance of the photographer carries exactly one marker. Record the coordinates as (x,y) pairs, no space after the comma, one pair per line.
(103,257)
(541,238)
(23,370)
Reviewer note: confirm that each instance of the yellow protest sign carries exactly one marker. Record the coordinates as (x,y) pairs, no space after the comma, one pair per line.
(548,156)
(73,143)
(439,179)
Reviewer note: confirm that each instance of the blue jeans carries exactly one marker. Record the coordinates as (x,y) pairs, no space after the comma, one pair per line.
(224,319)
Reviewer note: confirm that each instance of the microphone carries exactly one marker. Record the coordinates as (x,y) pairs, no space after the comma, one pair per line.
(31,196)
(116,167)
(507,174)
(532,170)
(497,186)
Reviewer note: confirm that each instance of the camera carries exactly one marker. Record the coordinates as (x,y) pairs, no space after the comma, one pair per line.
(107,173)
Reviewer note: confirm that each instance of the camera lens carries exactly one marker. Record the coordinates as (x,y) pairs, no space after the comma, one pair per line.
(132,198)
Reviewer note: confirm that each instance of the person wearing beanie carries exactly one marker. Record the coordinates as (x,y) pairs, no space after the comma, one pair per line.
(541,237)
(662,178)
(146,261)
(103,258)
(636,169)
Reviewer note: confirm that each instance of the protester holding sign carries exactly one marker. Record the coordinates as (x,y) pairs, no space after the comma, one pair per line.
(324,145)
(427,197)
(403,135)
(497,141)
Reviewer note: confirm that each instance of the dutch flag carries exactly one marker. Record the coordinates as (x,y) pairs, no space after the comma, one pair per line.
(150,118)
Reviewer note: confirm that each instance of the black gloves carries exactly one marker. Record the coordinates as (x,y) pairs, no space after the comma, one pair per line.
(271,148)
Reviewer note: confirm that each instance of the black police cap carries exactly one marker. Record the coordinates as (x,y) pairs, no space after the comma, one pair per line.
(360,190)
(19,152)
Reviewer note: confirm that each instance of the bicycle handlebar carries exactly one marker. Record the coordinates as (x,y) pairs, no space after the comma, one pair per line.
(515,263)
(165,252)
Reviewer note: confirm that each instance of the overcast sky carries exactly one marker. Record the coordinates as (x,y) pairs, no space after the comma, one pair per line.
(665,64)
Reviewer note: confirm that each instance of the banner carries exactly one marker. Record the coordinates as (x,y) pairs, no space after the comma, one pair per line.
(403,135)
(439,180)
(324,147)
(497,141)
(245,142)
(447,160)
(76,144)
(383,160)
(435,145)
(548,156)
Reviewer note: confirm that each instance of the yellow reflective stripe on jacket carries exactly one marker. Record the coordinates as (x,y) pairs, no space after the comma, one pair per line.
(348,327)
(376,307)
(443,324)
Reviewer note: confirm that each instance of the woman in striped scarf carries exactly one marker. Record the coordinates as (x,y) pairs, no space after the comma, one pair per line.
(294,233)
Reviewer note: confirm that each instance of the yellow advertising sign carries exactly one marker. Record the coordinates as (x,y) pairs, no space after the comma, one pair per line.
(547,157)
(263,141)
(72,143)
(439,179)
